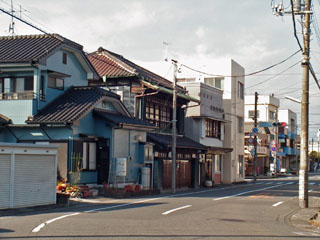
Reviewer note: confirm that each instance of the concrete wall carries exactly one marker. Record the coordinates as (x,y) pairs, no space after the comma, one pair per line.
(234,109)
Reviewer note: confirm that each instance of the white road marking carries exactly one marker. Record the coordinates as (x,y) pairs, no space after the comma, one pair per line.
(278,183)
(277,204)
(176,209)
(269,183)
(42,225)
(37,229)
(312,183)
(242,193)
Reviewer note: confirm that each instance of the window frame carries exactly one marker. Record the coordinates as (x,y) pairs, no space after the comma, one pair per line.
(55,81)
(213,129)
(240,90)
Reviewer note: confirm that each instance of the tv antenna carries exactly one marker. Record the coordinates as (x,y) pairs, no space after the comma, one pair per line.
(166,44)
(11,25)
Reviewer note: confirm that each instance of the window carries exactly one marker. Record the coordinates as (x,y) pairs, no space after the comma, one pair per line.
(240,165)
(64,58)
(214,82)
(240,125)
(271,115)
(251,114)
(213,129)
(148,154)
(16,87)
(89,156)
(217,163)
(158,114)
(240,90)
(57,83)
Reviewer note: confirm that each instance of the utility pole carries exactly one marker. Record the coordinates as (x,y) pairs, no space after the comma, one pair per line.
(174,123)
(255,137)
(303,172)
(303,9)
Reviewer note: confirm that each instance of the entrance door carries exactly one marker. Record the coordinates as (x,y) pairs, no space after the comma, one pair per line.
(103,160)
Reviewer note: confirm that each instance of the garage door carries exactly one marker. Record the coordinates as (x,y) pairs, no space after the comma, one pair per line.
(34,180)
(5,181)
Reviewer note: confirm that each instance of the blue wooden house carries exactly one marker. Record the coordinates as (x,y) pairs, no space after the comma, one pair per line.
(45,98)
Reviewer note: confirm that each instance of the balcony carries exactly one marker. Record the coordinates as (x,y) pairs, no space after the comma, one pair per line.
(289,151)
(26,95)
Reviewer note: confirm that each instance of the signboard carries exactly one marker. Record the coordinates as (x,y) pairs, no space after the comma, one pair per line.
(255,130)
(265,124)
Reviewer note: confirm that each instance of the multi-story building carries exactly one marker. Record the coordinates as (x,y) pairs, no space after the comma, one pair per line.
(149,97)
(267,108)
(230,79)
(205,124)
(45,99)
(287,140)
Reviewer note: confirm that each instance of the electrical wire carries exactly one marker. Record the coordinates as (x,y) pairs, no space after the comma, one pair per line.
(266,80)
(294,25)
(244,75)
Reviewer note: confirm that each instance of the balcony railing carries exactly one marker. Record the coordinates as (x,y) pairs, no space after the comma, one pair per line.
(26,95)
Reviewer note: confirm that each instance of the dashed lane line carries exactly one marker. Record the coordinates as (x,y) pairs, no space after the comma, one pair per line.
(176,209)
(277,204)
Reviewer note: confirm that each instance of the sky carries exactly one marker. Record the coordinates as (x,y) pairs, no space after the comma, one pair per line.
(197,32)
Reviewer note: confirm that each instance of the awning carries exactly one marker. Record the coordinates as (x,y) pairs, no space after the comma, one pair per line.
(219,150)
(165,140)
(117,120)
(170,91)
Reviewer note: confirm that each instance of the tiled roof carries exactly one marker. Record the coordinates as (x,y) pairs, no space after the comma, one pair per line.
(182,141)
(118,64)
(71,105)
(118,119)
(27,48)
(4,120)
(107,67)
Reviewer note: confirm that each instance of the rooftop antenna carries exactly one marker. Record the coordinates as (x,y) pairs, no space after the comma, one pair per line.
(166,44)
(11,26)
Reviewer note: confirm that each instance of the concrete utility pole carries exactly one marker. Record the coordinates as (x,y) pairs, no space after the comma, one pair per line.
(303,172)
(174,124)
(255,137)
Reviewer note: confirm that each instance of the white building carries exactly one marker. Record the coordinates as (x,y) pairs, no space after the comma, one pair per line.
(205,124)
(267,109)
(230,79)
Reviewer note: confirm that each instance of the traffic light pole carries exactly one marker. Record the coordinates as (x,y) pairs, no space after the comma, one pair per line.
(255,137)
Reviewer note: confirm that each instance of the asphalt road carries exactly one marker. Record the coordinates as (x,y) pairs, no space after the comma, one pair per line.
(244,211)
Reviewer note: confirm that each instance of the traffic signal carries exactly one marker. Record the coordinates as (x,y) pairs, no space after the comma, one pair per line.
(279,124)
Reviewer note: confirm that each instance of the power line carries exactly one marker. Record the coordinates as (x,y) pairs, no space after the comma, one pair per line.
(266,80)
(244,75)
(29,24)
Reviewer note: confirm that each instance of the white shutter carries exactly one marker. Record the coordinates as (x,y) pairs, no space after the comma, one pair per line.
(5,161)
(34,180)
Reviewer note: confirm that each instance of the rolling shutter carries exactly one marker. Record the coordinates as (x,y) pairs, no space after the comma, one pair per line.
(34,180)
(5,161)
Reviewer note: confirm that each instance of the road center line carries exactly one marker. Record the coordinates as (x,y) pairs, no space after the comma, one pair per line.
(277,204)
(176,209)
(242,193)
(42,225)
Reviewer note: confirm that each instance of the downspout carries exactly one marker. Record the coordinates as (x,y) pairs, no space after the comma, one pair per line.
(45,132)
(15,136)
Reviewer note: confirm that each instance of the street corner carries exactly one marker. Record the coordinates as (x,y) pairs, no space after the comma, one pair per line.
(306,219)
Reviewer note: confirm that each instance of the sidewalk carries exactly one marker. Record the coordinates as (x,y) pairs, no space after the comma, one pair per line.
(307,218)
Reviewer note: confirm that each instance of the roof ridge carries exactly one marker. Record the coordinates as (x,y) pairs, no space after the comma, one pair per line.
(114,59)
(49,35)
